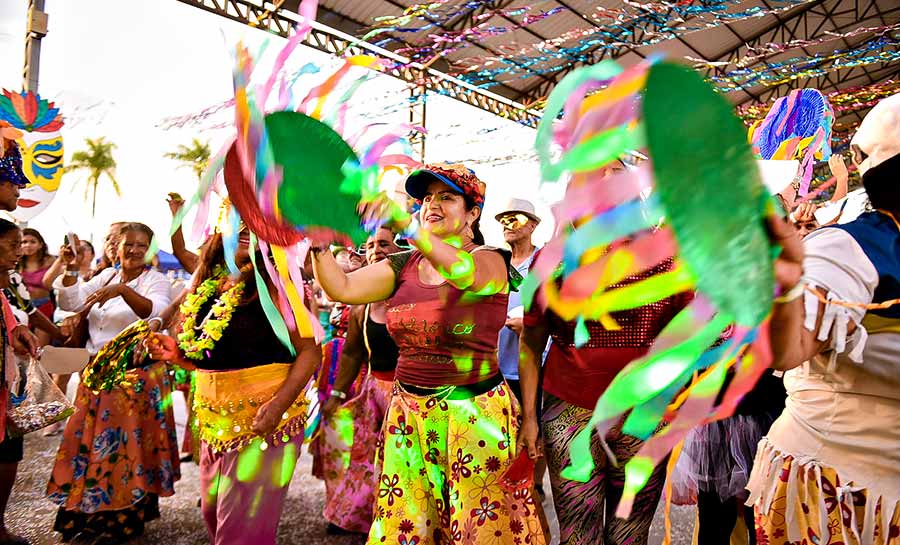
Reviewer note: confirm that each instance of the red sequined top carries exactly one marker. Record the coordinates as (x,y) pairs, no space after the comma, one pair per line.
(579,376)
(445,336)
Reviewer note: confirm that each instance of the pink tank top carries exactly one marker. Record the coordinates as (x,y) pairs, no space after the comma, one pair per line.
(34,279)
(445,336)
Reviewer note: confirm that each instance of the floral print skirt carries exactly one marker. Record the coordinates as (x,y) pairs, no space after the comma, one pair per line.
(809,503)
(118,454)
(442,462)
(350,506)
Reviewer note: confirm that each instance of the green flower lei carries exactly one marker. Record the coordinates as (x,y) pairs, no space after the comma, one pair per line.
(219,318)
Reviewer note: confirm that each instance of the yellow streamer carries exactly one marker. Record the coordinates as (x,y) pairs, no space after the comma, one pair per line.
(301,316)
(615,92)
(670,468)
(366,61)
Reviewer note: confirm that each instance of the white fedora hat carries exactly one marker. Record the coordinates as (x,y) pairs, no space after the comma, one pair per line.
(519,206)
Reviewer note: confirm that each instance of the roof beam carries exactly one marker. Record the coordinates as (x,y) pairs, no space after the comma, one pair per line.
(504,89)
(540,89)
(768,33)
(334,42)
(824,82)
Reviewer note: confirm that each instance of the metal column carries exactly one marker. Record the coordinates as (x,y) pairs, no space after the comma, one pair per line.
(36,29)
(417,107)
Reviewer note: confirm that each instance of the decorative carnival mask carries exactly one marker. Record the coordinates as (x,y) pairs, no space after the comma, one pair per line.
(41,145)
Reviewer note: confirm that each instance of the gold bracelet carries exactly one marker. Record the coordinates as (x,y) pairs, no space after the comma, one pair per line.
(791,295)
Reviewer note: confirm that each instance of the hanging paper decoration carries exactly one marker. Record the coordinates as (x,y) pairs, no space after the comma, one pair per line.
(797,127)
(614,29)
(41,144)
(291,176)
(761,51)
(878,50)
(697,201)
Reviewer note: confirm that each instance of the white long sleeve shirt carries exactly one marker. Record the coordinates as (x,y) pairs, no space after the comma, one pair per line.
(108,320)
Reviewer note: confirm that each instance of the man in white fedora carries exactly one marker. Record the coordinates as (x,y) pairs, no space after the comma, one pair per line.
(519,221)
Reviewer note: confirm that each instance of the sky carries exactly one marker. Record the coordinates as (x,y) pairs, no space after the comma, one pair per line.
(120,69)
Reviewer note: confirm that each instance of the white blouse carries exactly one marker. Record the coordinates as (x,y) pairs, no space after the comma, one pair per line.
(843,406)
(108,320)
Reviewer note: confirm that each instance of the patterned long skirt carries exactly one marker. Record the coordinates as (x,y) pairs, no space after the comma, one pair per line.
(118,454)
(331,454)
(809,503)
(350,506)
(586,510)
(442,462)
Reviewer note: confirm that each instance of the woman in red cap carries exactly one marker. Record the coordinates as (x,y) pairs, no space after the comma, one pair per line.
(450,431)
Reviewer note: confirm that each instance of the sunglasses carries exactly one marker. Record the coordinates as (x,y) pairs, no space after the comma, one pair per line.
(514,221)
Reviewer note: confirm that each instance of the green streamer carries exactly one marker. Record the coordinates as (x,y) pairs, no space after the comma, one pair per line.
(582,335)
(708,182)
(265,299)
(639,382)
(603,70)
(599,150)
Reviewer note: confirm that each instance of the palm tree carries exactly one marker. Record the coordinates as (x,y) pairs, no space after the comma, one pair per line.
(98,161)
(195,156)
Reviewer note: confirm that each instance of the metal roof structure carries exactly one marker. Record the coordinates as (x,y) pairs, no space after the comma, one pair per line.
(802,28)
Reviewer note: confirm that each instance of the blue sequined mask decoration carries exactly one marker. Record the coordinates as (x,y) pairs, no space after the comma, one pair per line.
(11,167)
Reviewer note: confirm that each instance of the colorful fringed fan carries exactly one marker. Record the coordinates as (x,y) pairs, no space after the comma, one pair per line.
(698,199)
(797,126)
(291,176)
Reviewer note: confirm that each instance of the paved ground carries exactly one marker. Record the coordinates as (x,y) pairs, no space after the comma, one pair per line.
(31,516)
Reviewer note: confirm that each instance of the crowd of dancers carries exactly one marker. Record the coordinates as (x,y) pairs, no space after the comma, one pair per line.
(440,402)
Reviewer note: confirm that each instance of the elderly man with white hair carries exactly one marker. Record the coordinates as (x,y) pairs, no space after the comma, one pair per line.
(829,469)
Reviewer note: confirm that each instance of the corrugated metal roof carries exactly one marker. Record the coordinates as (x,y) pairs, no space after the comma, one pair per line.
(809,20)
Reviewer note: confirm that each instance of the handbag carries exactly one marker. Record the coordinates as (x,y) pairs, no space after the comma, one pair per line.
(43,403)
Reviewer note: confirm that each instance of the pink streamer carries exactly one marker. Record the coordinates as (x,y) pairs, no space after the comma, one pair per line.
(398,159)
(600,192)
(284,306)
(300,33)
(564,130)
(648,251)
(600,119)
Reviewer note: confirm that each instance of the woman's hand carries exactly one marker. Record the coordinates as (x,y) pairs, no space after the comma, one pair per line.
(383,211)
(104,294)
(24,342)
(175,203)
(163,348)
(268,416)
(516,325)
(330,406)
(528,438)
(838,168)
(69,324)
(67,256)
(805,212)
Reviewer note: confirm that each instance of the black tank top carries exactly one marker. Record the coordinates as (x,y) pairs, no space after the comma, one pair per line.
(248,341)
(383,352)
